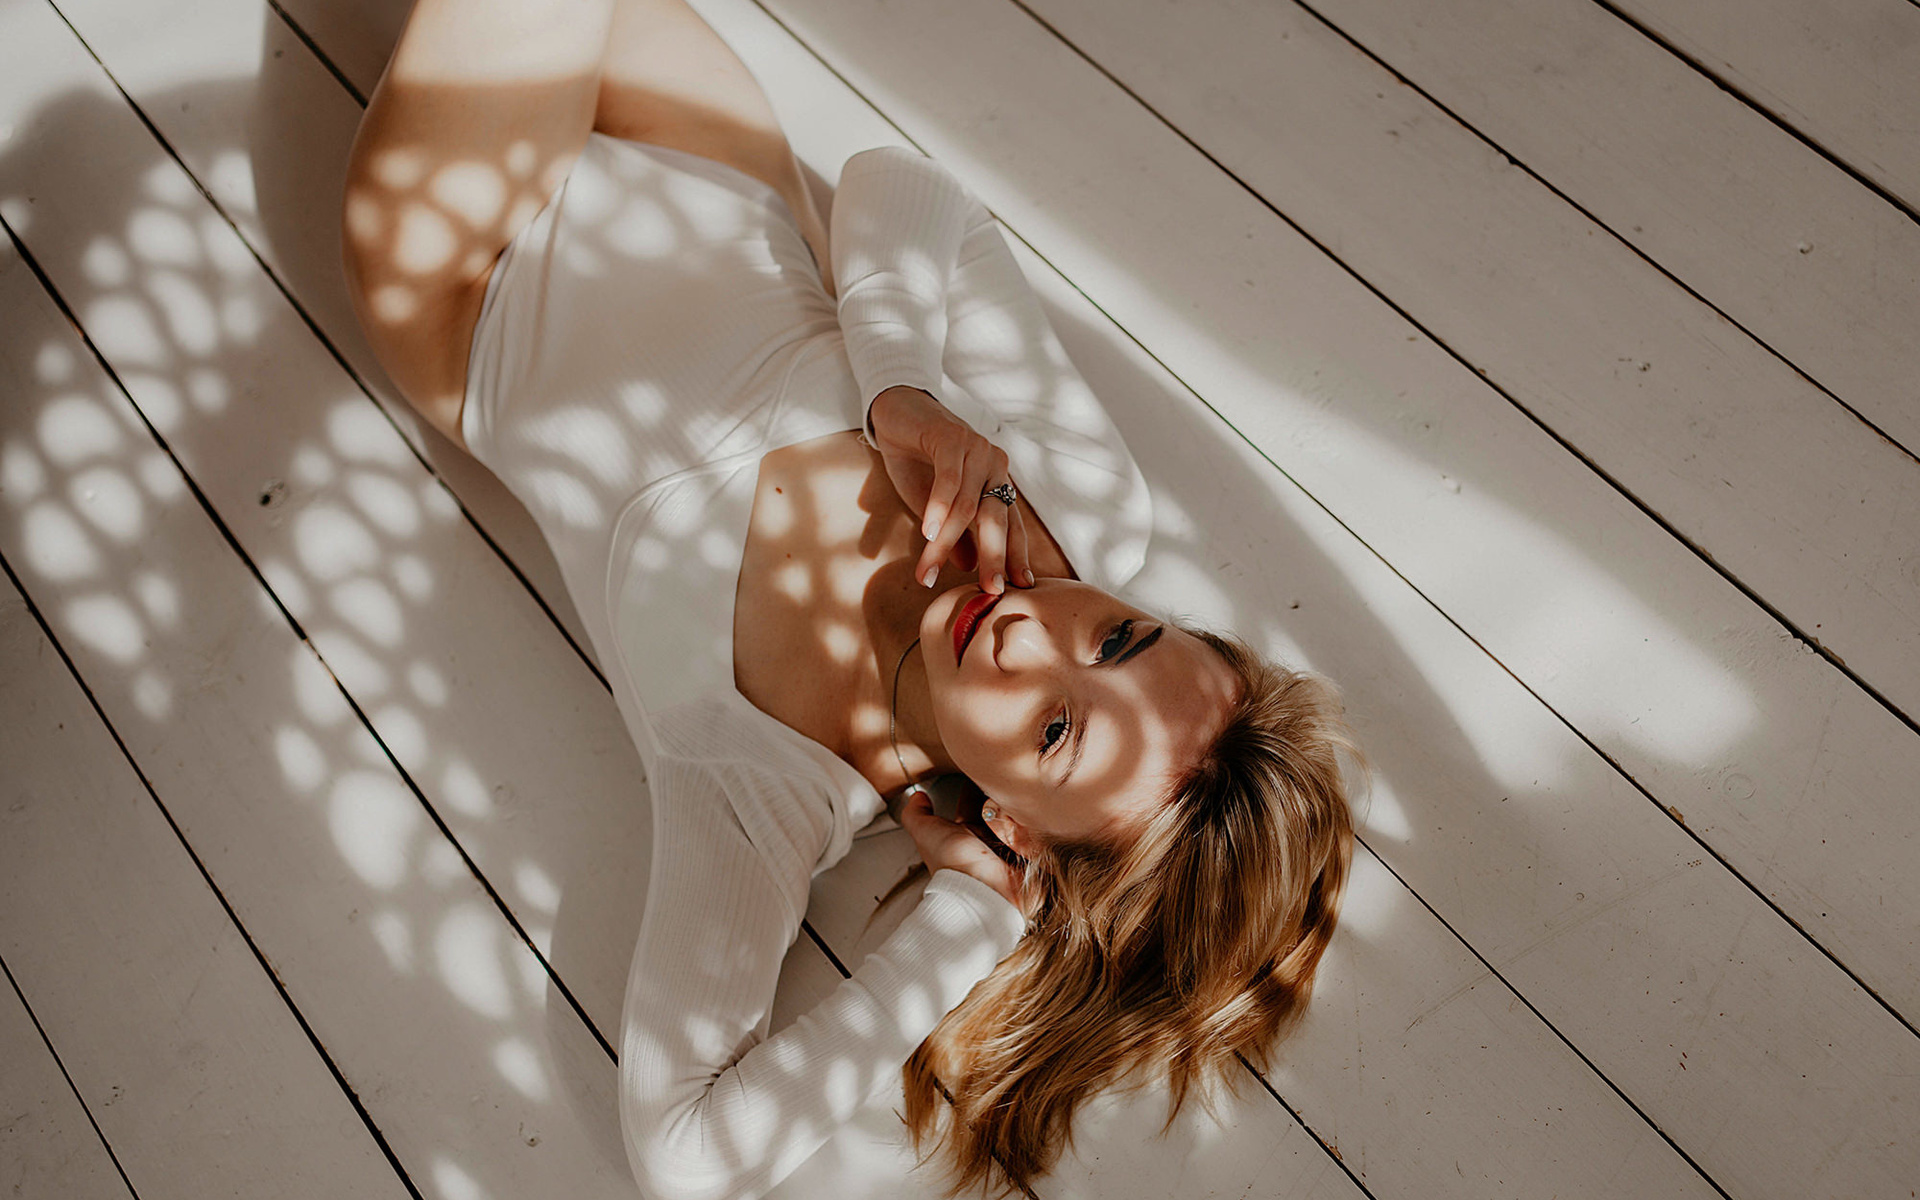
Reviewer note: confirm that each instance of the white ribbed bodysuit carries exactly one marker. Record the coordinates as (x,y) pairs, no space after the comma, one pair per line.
(654,331)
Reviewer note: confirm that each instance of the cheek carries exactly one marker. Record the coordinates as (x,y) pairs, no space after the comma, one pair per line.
(983,731)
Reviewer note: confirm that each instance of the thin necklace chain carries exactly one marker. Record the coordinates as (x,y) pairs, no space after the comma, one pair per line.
(893,712)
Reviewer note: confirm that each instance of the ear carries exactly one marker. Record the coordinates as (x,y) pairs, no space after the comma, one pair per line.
(1011,833)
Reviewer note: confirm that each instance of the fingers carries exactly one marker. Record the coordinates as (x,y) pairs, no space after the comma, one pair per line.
(930,832)
(948,845)
(1019,566)
(1000,536)
(922,824)
(948,484)
(954,507)
(915,807)
(962,506)
(990,537)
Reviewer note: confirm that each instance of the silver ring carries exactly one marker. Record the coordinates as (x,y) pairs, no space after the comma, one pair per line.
(1004,493)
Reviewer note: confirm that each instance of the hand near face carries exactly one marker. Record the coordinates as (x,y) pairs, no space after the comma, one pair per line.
(940,466)
(949,845)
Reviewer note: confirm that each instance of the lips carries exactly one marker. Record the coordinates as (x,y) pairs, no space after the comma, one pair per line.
(968,622)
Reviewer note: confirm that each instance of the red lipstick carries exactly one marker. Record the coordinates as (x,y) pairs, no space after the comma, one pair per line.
(968,622)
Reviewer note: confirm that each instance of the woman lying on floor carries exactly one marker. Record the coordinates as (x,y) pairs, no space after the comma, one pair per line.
(584,251)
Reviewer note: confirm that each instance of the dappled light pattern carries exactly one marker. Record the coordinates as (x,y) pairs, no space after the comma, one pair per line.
(351,535)
(736,843)
(327,503)
(1483,803)
(643,470)
(373,914)
(103,532)
(431,217)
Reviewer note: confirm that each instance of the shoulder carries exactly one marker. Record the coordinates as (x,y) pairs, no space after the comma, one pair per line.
(792,798)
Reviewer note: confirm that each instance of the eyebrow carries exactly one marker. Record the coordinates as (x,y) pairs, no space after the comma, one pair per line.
(1080,726)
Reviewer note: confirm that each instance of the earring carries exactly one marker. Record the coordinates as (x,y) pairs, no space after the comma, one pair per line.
(988,812)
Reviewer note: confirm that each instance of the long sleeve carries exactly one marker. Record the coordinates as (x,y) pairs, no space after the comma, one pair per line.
(931,297)
(710,1104)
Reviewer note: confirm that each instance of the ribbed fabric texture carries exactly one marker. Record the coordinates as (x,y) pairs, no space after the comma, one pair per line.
(930,297)
(712,1106)
(652,333)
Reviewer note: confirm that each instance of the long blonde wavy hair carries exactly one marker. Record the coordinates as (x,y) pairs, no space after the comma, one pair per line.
(1162,953)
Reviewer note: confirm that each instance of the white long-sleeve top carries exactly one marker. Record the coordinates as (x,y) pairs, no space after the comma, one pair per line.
(930,297)
(628,405)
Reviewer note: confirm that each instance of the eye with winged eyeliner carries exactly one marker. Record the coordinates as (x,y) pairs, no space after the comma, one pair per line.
(1076,730)
(1123,631)
(1142,644)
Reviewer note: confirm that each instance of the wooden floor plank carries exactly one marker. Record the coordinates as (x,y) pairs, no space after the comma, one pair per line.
(195,1070)
(1818,469)
(1770,233)
(1734,450)
(482,1079)
(361,543)
(354,37)
(1840,72)
(48,1147)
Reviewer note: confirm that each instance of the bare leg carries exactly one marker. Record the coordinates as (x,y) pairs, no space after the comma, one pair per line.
(669,79)
(476,121)
(479,118)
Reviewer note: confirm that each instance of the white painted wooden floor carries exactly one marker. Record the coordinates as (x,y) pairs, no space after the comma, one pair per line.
(1542,370)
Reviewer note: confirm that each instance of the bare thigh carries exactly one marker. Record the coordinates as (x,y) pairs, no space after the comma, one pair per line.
(669,79)
(476,121)
(479,117)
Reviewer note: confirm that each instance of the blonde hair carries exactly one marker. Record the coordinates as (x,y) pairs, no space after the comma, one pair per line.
(1190,941)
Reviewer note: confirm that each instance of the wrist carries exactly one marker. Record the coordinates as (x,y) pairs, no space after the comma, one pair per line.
(986,897)
(894,395)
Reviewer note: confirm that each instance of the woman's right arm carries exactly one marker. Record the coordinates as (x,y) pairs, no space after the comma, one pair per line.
(931,298)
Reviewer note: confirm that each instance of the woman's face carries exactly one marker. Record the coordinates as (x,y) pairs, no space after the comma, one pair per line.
(1071,709)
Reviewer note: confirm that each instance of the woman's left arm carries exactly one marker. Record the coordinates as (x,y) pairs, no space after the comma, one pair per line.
(932,299)
(712,1107)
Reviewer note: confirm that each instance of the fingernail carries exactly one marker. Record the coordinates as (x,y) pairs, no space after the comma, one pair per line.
(995,583)
(929,529)
(932,574)
(1027,574)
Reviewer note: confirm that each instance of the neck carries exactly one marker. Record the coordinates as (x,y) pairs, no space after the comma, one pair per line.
(909,746)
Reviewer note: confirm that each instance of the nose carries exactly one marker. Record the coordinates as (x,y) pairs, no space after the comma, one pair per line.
(1025,644)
